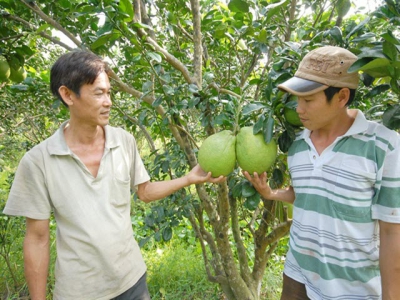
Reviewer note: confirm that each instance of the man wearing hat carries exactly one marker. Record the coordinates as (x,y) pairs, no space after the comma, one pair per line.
(345,173)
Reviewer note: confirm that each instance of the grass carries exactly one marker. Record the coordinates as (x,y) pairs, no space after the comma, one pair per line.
(175,269)
(176,272)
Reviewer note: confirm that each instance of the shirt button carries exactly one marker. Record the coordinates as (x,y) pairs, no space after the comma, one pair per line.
(314,157)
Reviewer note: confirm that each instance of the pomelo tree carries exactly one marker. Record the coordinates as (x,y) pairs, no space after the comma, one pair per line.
(184,70)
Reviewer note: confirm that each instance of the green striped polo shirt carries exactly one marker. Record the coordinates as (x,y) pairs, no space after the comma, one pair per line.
(340,196)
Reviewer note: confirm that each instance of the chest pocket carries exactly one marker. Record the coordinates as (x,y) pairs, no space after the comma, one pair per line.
(120,181)
(354,189)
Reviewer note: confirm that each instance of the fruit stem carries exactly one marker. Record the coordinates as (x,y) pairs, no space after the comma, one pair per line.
(236,127)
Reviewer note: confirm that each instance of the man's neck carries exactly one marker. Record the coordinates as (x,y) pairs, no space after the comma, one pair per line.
(324,137)
(83,134)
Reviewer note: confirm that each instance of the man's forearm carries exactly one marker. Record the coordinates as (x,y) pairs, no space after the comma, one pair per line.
(36,262)
(161,189)
(285,195)
(36,259)
(389,260)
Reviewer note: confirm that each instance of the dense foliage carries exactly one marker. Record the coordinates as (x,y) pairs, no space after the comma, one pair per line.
(184,70)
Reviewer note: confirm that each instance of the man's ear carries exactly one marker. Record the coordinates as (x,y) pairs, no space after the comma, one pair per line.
(66,95)
(344,96)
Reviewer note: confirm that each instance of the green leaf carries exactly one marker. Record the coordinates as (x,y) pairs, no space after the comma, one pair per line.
(252,202)
(391,117)
(154,56)
(193,88)
(285,140)
(221,119)
(390,50)
(248,190)
(277,177)
(336,34)
(375,52)
(143,241)
(167,233)
(125,6)
(160,214)
(269,129)
(292,104)
(358,28)
(141,25)
(238,6)
(42,28)
(237,190)
(377,90)
(104,39)
(367,79)
(364,37)
(157,236)
(258,126)
(262,37)
(389,37)
(157,102)
(249,108)
(273,9)
(149,220)
(169,90)
(376,67)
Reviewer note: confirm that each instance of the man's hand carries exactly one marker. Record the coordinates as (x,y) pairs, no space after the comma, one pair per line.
(260,183)
(198,175)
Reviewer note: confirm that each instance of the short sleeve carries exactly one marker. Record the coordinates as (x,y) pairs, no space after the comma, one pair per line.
(139,173)
(29,196)
(387,203)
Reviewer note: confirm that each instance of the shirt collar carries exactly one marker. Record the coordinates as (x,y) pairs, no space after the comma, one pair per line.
(58,146)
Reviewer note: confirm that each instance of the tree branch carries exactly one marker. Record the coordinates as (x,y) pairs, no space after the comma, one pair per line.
(36,9)
(253,64)
(142,128)
(172,60)
(270,240)
(30,27)
(224,91)
(198,54)
(242,253)
(292,14)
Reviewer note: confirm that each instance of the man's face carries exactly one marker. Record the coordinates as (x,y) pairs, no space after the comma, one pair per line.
(93,104)
(316,112)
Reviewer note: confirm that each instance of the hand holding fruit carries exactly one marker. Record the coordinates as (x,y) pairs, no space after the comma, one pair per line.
(260,183)
(198,175)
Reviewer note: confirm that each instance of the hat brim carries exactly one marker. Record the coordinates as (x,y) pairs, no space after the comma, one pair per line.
(302,87)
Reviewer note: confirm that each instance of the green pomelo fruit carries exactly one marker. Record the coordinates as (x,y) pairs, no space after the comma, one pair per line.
(17,75)
(4,69)
(253,153)
(217,153)
(291,116)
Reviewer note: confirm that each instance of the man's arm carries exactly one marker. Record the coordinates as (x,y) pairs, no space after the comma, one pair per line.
(151,191)
(389,259)
(37,257)
(260,183)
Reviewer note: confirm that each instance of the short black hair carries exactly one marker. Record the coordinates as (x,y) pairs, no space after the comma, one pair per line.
(75,69)
(331,91)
